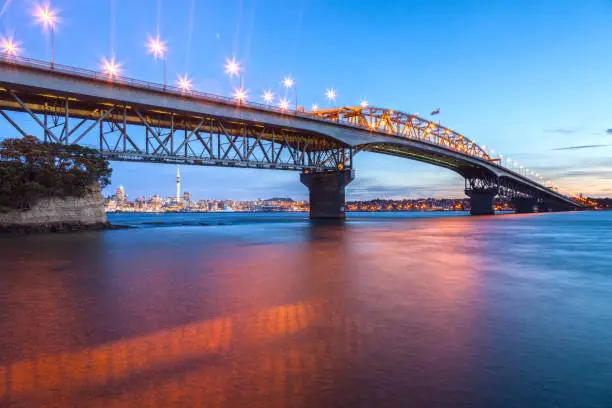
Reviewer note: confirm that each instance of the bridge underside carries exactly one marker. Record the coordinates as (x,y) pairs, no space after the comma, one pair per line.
(146,134)
(481,185)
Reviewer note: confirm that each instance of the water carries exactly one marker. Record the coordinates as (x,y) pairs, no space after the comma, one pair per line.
(269,310)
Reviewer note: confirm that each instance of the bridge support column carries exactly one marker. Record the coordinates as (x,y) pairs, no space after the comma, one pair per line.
(482,200)
(524,205)
(549,206)
(327,192)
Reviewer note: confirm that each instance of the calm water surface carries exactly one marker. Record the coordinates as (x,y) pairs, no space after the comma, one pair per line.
(269,310)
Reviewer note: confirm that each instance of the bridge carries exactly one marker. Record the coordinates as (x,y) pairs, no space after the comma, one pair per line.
(132,120)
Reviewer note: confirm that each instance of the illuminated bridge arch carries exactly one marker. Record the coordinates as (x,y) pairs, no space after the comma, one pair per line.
(406,125)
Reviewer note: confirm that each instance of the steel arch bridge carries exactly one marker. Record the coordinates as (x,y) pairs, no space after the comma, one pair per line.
(134,120)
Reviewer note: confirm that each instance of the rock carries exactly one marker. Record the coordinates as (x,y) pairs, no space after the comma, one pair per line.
(58,215)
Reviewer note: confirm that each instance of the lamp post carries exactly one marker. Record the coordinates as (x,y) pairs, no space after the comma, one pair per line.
(233,68)
(48,18)
(159,49)
(288,82)
(330,94)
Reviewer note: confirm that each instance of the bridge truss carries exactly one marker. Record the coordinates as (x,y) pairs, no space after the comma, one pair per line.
(140,133)
(404,125)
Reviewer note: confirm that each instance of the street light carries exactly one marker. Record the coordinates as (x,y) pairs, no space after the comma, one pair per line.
(233,68)
(314,107)
(158,48)
(268,96)
(363,103)
(48,18)
(330,94)
(240,95)
(111,67)
(284,104)
(289,83)
(184,82)
(10,47)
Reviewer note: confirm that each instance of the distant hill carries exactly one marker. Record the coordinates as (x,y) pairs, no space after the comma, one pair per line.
(280,199)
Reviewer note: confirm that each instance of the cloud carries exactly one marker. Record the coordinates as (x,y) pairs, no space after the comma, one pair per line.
(562,131)
(609,131)
(581,147)
(6,5)
(368,188)
(589,173)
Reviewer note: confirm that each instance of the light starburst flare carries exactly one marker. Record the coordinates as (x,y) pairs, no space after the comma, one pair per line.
(111,67)
(240,94)
(330,94)
(156,47)
(268,96)
(184,82)
(46,16)
(10,46)
(363,103)
(288,82)
(232,67)
(314,107)
(284,104)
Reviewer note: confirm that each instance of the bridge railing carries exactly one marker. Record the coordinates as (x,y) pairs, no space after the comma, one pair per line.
(122,80)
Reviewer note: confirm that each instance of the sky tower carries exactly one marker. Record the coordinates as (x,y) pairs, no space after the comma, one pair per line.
(178,185)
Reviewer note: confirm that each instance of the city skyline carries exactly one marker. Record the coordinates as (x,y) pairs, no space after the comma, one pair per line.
(179,192)
(508,85)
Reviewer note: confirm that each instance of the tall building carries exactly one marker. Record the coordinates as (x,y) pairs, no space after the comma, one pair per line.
(120,194)
(187,196)
(156,203)
(178,185)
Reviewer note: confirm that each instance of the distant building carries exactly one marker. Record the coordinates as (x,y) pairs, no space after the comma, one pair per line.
(120,194)
(156,203)
(187,196)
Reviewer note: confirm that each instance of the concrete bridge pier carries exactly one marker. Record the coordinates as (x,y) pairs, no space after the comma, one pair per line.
(327,196)
(524,205)
(549,206)
(482,200)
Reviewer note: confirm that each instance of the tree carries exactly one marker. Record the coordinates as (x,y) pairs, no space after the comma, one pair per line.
(31,170)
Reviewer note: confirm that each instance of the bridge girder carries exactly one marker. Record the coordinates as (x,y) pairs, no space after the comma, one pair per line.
(140,133)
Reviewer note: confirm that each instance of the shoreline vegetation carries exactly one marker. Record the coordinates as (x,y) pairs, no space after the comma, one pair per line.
(31,170)
(51,187)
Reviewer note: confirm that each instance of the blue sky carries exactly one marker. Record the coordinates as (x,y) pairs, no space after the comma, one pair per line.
(531,79)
